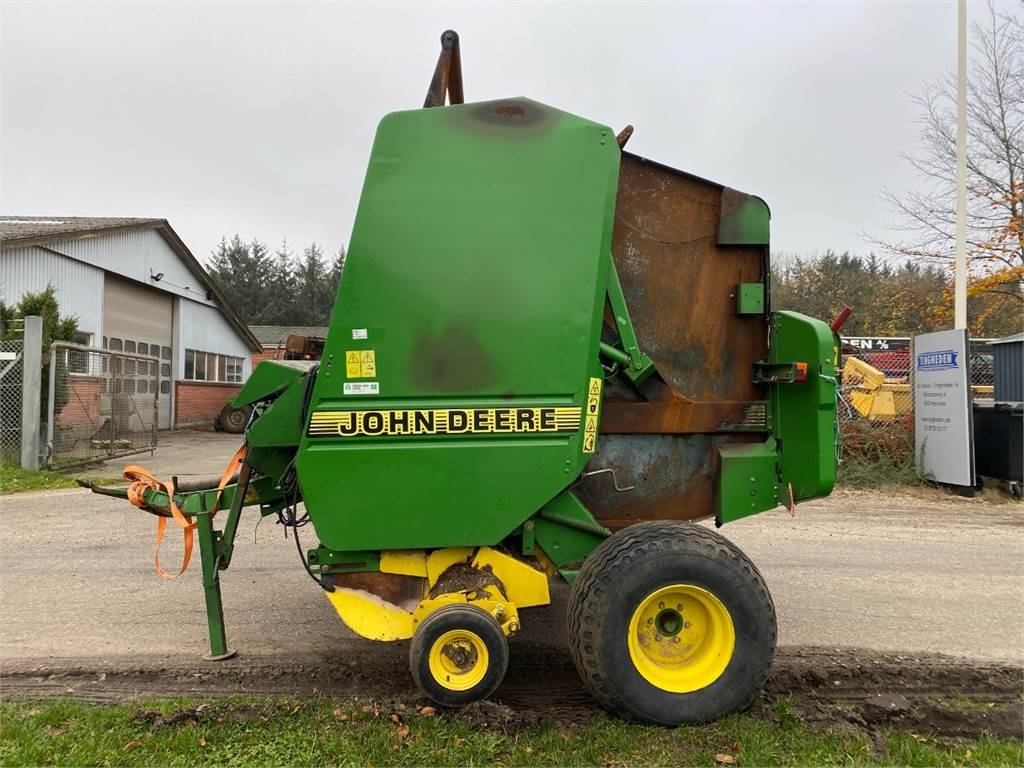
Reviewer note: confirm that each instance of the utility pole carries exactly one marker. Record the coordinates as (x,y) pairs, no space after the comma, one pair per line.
(960,281)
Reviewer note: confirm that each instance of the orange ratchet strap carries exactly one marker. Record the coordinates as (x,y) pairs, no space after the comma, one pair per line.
(141,481)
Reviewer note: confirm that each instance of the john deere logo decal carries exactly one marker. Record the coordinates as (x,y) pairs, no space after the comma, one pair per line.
(443,421)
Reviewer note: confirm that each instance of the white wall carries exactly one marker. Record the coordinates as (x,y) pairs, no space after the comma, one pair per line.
(138,255)
(204,328)
(79,286)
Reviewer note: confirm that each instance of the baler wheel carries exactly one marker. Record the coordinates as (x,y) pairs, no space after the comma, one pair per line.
(458,655)
(671,623)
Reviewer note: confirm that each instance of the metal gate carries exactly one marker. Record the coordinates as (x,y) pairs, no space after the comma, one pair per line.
(11,374)
(102,404)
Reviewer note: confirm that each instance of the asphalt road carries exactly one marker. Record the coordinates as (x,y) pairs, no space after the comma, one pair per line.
(871,571)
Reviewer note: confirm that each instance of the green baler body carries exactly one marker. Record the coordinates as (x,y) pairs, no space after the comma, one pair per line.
(451,402)
(477,270)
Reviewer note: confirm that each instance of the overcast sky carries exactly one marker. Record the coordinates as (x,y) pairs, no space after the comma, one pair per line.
(258,118)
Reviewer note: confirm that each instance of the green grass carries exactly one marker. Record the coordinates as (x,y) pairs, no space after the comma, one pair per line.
(291,731)
(14,480)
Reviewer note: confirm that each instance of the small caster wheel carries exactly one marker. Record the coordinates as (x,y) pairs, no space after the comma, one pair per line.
(458,655)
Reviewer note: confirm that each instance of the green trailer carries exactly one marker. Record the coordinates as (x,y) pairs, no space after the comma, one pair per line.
(547,358)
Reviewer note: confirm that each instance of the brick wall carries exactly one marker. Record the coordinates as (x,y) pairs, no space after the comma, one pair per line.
(83,405)
(268,353)
(199,402)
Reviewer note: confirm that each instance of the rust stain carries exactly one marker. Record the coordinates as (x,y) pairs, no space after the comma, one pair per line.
(680,285)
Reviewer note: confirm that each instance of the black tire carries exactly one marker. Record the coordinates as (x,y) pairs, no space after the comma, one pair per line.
(233,420)
(461,618)
(627,569)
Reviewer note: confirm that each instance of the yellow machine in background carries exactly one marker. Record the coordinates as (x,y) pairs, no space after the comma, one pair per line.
(878,398)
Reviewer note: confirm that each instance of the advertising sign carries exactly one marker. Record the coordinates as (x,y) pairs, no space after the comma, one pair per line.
(943,434)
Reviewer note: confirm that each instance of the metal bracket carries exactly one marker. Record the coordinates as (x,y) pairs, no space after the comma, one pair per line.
(774,373)
(615,478)
(636,365)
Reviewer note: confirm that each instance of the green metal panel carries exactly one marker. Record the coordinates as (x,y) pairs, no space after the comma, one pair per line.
(269,378)
(744,219)
(750,299)
(804,413)
(476,275)
(280,423)
(748,480)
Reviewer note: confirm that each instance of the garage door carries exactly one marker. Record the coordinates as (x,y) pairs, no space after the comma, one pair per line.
(137,318)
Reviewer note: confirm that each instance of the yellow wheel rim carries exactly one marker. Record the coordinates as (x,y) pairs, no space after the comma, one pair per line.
(458,660)
(681,638)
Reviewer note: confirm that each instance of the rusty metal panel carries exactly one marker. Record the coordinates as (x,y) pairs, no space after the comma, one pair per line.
(668,477)
(680,285)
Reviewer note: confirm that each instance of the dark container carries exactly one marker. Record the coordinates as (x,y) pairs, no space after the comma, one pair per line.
(1008,360)
(999,440)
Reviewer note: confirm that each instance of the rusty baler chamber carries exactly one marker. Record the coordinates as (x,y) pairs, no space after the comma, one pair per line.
(545,356)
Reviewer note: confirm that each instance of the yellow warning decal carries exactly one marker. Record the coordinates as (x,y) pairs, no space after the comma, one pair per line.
(444,421)
(360,364)
(590,420)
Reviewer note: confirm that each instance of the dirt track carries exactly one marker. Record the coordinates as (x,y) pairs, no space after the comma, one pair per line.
(870,591)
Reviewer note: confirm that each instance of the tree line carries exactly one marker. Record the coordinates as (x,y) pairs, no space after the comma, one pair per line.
(889,298)
(279,288)
(901,298)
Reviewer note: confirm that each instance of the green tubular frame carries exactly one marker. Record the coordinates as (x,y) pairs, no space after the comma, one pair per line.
(215,546)
(635,364)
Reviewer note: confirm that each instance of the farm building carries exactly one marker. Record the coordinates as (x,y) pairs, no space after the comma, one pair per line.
(135,287)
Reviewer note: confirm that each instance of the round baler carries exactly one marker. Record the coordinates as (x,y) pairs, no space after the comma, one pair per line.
(548,357)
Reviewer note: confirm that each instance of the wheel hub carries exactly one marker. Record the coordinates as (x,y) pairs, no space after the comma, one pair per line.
(681,638)
(458,659)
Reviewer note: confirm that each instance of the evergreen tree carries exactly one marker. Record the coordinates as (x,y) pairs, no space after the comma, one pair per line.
(281,299)
(315,299)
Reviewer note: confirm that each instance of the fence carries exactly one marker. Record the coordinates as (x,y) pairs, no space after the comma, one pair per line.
(102,404)
(878,385)
(11,376)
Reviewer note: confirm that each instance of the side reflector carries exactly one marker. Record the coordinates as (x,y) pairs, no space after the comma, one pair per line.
(801,372)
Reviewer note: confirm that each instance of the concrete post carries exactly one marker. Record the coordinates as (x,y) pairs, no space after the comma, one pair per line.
(31,391)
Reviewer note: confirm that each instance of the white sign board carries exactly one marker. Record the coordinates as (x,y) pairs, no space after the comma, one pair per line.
(943,433)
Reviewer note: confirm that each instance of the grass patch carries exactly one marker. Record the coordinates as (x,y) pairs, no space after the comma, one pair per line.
(14,479)
(323,730)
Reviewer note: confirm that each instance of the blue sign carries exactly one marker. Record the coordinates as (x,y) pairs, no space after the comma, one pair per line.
(937,361)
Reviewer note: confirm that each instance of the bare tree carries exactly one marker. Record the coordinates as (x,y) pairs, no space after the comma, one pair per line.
(995,171)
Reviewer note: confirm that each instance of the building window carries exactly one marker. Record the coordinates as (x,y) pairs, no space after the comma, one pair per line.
(209,366)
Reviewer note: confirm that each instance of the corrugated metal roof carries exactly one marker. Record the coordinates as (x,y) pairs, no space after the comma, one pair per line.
(272,335)
(16,231)
(1008,339)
